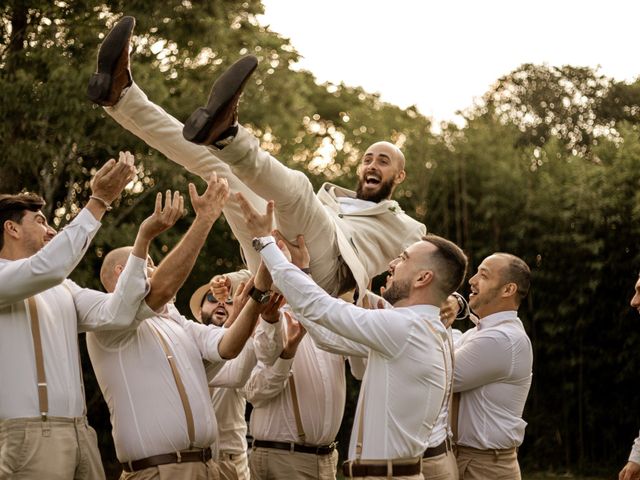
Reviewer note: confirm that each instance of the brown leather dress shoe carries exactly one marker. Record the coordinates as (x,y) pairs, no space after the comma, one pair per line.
(208,125)
(113,74)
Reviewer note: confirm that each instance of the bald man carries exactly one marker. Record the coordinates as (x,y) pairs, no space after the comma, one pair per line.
(493,370)
(152,374)
(351,236)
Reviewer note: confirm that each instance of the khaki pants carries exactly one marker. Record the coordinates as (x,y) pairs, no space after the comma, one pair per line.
(163,132)
(441,467)
(273,464)
(475,464)
(58,449)
(236,462)
(298,210)
(411,477)
(177,471)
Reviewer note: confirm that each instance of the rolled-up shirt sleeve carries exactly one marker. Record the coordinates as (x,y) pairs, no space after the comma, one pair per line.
(118,310)
(206,337)
(267,381)
(635,451)
(51,265)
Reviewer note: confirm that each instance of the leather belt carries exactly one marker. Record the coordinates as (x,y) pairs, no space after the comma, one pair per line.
(435,451)
(296,447)
(351,469)
(187,456)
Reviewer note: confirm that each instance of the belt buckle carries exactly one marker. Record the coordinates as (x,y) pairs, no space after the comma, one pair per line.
(203,455)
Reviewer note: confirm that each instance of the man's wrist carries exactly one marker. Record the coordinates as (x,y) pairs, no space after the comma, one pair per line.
(101,200)
(260,242)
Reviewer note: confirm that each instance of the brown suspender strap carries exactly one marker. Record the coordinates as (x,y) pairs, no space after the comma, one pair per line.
(296,409)
(454,398)
(183,394)
(360,426)
(43,398)
(294,401)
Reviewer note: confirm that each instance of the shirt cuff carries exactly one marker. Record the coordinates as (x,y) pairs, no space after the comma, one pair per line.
(273,256)
(86,217)
(282,366)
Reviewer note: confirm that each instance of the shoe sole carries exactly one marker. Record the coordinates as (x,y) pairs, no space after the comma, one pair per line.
(200,126)
(110,51)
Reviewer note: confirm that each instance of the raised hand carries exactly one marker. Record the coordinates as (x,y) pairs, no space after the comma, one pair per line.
(299,253)
(163,218)
(295,333)
(220,286)
(449,311)
(631,471)
(209,205)
(108,182)
(271,312)
(259,225)
(240,298)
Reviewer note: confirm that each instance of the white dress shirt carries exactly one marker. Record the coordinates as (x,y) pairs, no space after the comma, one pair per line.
(404,383)
(137,383)
(320,388)
(64,309)
(635,451)
(493,373)
(229,401)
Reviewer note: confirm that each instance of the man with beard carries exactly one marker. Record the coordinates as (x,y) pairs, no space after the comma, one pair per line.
(493,363)
(226,388)
(404,346)
(350,235)
(631,470)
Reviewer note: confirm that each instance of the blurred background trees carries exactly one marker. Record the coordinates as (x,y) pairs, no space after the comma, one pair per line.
(547,166)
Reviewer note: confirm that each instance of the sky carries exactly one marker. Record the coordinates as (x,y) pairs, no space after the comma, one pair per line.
(440,55)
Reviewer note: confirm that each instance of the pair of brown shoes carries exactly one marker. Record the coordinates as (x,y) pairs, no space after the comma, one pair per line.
(209,125)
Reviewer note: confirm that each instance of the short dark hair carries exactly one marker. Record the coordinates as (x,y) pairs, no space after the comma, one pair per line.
(516,271)
(453,260)
(14,207)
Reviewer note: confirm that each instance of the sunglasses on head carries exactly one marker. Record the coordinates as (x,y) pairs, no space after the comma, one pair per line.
(212,299)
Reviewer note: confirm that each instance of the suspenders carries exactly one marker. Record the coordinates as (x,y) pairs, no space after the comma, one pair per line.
(43,399)
(181,390)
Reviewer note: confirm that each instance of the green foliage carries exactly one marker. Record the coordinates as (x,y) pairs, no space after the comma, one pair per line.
(548,167)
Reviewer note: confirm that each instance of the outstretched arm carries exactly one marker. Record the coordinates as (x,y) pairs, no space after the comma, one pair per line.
(176,266)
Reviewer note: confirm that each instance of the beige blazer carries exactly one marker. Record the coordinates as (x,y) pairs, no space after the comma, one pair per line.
(369,239)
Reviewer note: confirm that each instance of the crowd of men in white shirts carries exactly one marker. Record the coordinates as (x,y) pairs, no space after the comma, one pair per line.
(433,403)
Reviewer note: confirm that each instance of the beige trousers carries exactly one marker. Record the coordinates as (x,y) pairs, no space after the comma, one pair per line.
(236,461)
(163,132)
(58,449)
(177,471)
(442,467)
(410,477)
(298,210)
(273,464)
(475,464)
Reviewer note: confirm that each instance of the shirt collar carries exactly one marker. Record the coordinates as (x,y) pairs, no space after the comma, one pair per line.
(496,318)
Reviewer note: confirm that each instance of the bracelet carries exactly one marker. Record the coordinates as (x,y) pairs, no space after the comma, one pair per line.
(102,201)
(306,270)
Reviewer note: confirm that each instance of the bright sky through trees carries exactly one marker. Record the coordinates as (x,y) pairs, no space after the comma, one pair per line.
(440,55)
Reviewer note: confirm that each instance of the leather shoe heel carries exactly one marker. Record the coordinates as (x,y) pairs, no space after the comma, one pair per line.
(207,124)
(112,75)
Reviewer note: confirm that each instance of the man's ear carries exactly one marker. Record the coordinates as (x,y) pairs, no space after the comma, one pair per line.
(399,178)
(425,277)
(509,290)
(11,229)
